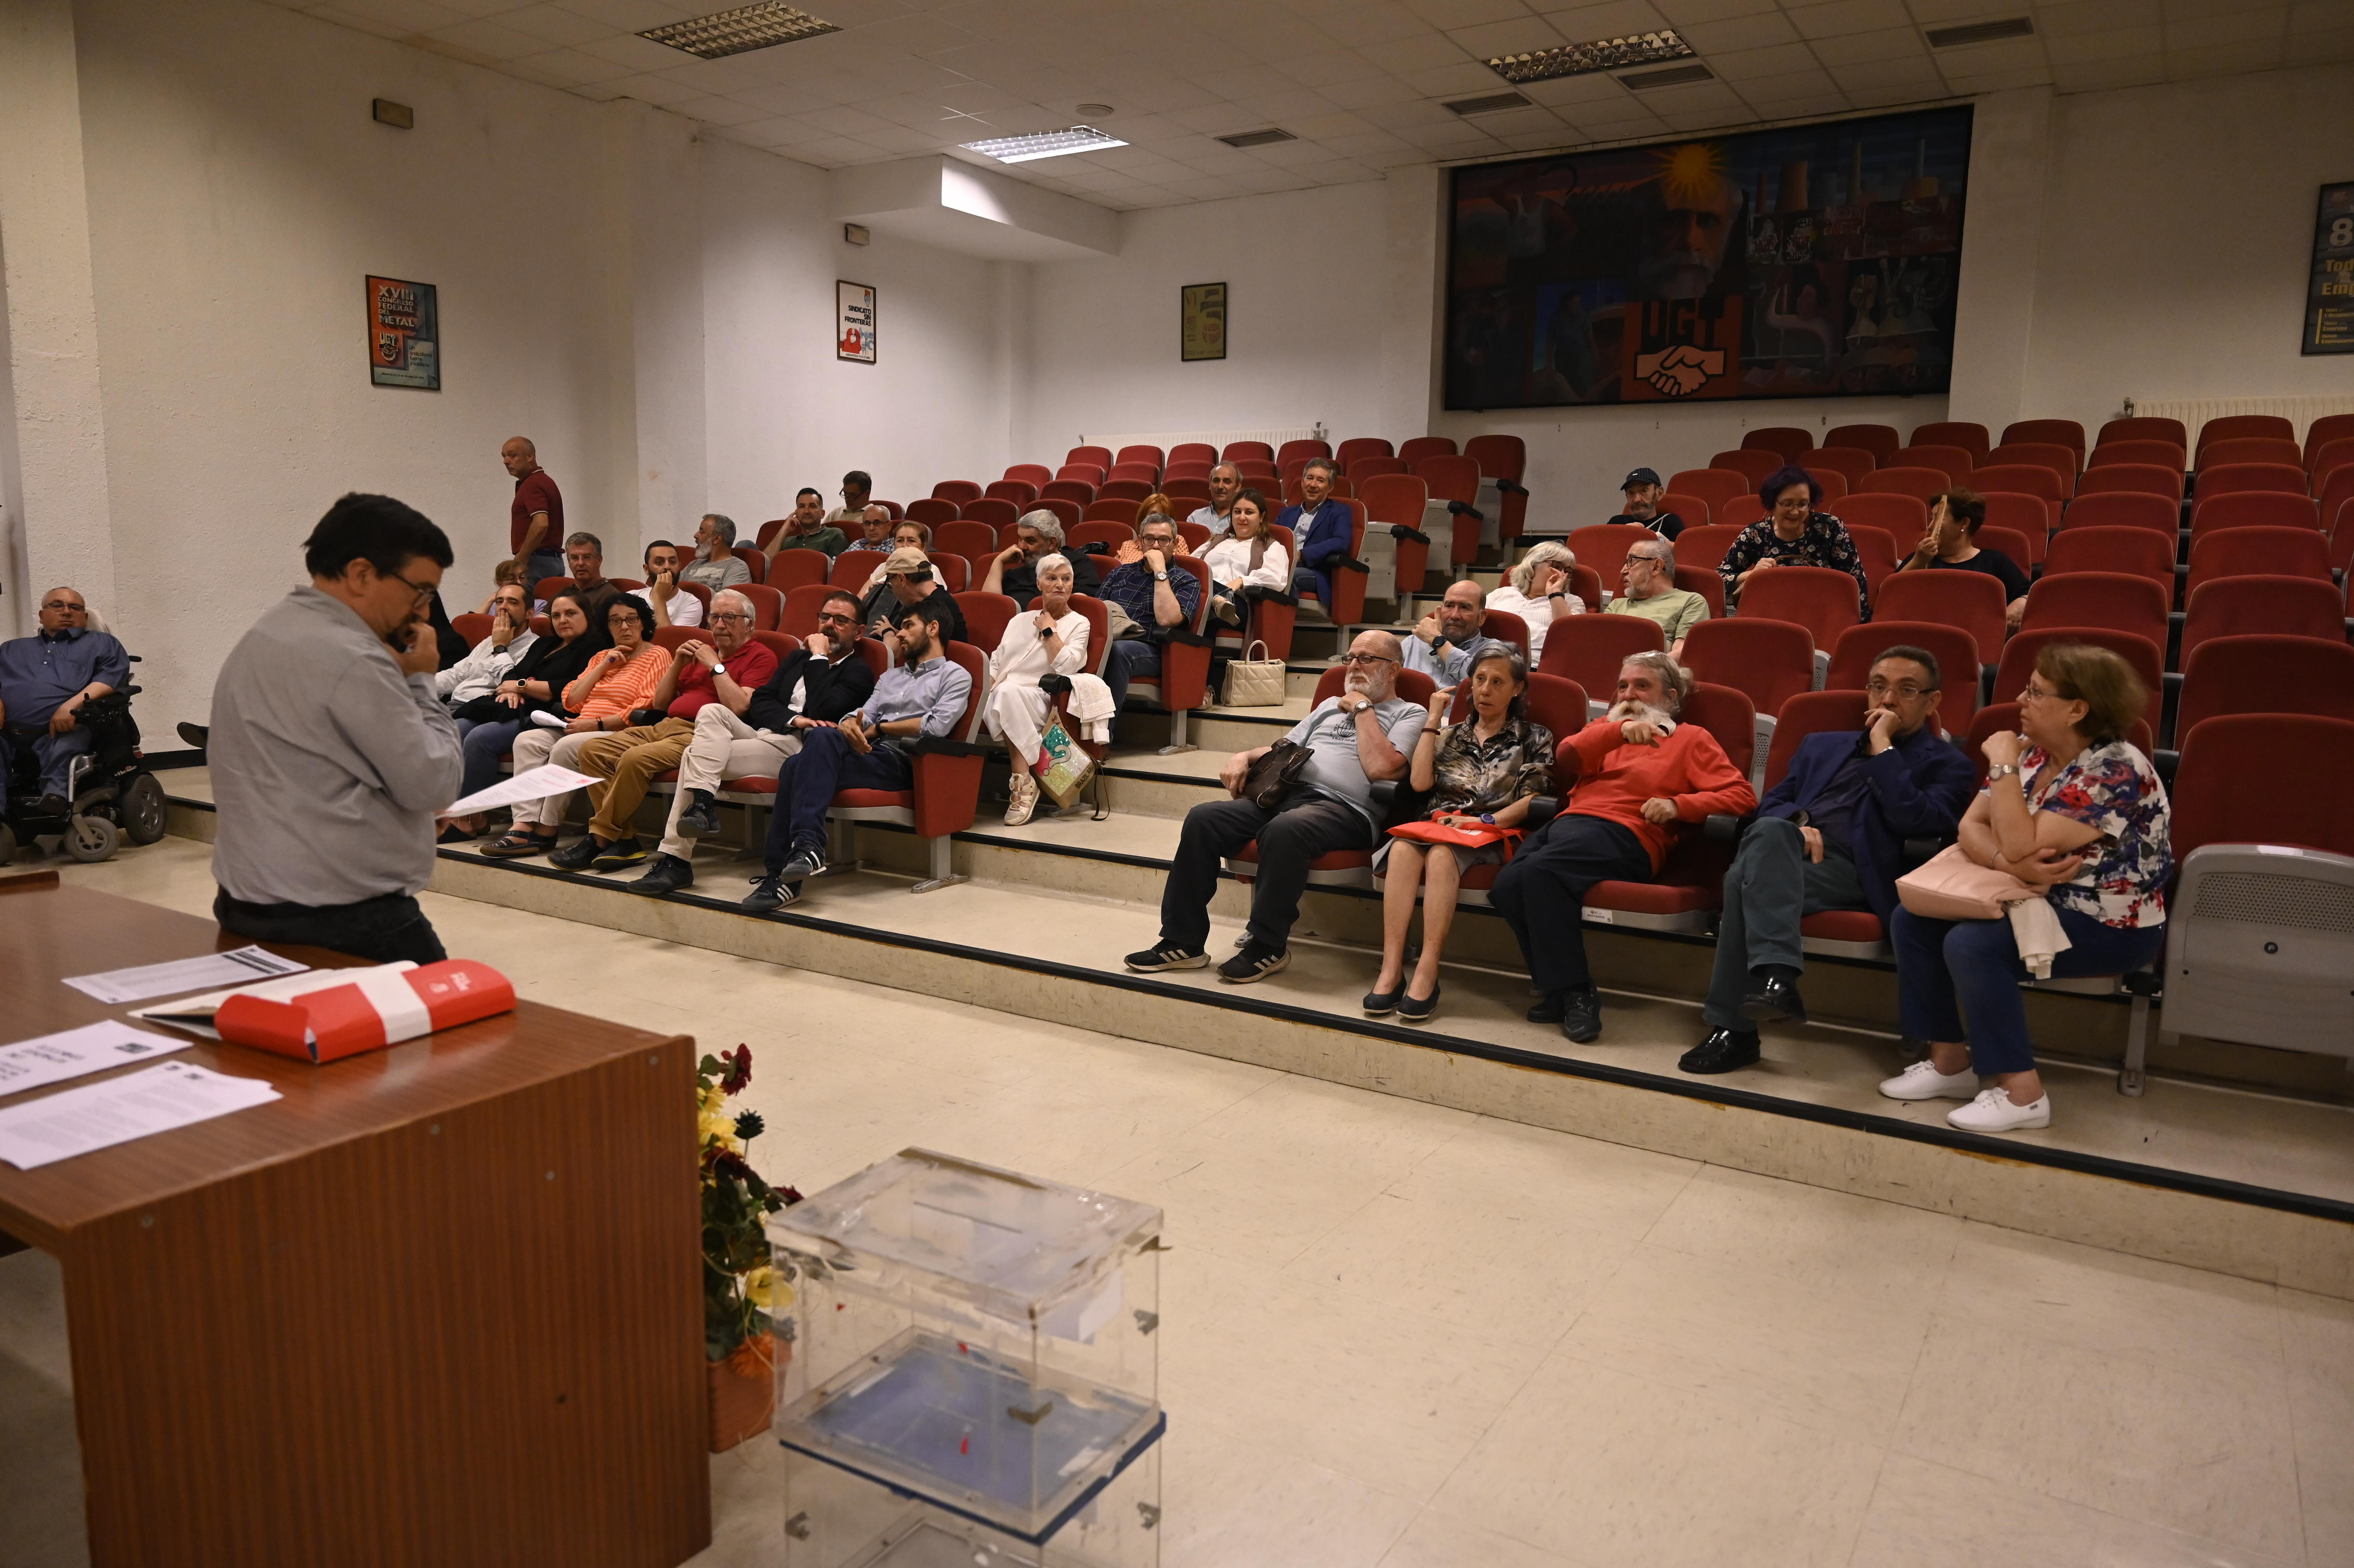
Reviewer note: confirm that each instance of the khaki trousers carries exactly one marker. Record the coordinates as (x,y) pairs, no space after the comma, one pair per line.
(724,747)
(630,758)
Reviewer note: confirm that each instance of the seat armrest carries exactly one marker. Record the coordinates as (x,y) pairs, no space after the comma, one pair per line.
(1541,810)
(1271,596)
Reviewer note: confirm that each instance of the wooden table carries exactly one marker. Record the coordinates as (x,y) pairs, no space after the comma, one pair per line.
(439,1304)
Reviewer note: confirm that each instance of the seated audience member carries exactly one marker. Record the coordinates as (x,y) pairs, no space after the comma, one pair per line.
(906,533)
(716,565)
(661,593)
(1152,601)
(1648,587)
(45,679)
(807,528)
(1013,570)
(908,580)
(1951,545)
(450,646)
(1641,777)
(875,527)
(507,572)
(494,658)
(2072,806)
(857,490)
(1446,642)
(1367,733)
(1793,535)
(813,687)
(922,694)
(1537,590)
(723,672)
(1830,835)
(584,559)
(1642,506)
(1226,482)
(1249,556)
(1482,773)
(488,726)
(617,681)
(1049,641)
(1322,528)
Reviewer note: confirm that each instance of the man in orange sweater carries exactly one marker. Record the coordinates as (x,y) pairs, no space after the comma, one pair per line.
(1642,777)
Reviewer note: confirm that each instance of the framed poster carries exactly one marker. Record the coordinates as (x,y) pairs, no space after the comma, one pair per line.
(2329,298)
(404,335)
(1202,321)
(1811,262)
(854,327)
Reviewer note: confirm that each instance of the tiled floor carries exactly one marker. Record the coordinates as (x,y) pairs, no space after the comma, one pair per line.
(1408,1336)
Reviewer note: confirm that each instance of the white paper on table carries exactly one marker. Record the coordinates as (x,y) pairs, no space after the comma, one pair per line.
(137,1105)
(531,785)
(29,1063)
(195,1013)
(116,987)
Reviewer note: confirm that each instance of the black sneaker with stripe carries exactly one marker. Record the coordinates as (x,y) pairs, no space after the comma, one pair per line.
(1168,956)
(1254,962)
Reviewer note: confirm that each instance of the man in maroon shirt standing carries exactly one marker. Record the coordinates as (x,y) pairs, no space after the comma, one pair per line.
(535,524)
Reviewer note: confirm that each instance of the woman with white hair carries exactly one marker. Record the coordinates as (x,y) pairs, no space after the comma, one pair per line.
(1537,590)
(1050,641)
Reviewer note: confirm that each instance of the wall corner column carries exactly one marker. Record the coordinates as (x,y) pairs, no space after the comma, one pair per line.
(2011,158)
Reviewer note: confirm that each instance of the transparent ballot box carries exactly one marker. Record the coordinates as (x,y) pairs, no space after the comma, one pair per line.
(974,1357)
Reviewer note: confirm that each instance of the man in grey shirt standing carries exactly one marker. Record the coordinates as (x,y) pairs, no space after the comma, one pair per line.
(330,750)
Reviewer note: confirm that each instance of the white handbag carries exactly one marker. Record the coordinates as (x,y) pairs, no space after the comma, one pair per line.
(1253,682)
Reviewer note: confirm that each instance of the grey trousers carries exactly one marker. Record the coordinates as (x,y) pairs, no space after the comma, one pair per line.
(1771,887)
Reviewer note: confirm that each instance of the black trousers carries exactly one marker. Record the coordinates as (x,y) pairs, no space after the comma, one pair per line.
(1295,832)
(1540,892)
(384,929)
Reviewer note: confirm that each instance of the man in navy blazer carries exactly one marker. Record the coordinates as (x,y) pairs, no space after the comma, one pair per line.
(1323,532)
(1830,835)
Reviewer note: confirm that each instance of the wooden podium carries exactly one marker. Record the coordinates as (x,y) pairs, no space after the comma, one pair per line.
(439,1305)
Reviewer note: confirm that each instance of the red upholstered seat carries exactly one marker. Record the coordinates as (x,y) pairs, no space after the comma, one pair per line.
(1690,885)
(1859,926)
(1878,439)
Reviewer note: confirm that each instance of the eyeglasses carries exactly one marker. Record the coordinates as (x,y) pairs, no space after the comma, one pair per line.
(1905,692)
(2038,693)
(836,618)
(422,593)
(720,615)
(64,604)
(1366,658)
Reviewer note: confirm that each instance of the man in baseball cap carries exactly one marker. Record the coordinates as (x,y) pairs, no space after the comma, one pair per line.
(1643,490)
(910,580)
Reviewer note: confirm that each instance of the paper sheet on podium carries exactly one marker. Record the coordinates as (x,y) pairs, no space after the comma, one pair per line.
(545,780)
(136,1104)
(92,1048)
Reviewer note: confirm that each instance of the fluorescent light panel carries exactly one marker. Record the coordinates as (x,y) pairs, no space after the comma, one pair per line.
(1044,144)
(747,27)
(1581,59)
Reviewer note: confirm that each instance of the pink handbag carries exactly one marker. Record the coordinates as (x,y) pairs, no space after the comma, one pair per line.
(1952,886)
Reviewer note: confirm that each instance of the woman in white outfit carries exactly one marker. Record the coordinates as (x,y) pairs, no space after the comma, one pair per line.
(1050,640)
(1537,590)
(1249,556)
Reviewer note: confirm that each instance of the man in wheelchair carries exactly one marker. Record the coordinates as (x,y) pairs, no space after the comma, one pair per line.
(69,747)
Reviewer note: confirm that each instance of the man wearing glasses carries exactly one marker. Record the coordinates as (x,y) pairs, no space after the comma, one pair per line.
(808,689)
(44,681)
(1830,835)
(1365,734)
(723,673)
(330,750)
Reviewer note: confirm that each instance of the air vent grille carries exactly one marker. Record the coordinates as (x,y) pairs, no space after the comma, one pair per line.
(747,27)
(1980,32)
(1267,138)
(1487,105)
(1674,76)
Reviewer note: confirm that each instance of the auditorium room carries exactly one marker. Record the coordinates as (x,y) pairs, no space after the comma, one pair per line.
(1177,783)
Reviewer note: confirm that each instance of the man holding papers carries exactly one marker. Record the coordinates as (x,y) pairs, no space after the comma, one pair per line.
(330,750)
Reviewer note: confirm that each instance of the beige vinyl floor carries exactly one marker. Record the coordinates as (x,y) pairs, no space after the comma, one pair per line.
(1406,1336)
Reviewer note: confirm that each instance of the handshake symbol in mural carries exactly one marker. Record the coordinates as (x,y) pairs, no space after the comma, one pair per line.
(1680,371)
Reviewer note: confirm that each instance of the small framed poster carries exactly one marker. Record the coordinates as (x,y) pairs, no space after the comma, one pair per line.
(404,335)
(853,329)
(1202,321)
(2329,298)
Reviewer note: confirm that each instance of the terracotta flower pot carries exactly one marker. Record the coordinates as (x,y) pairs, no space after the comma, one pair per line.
(743,1390)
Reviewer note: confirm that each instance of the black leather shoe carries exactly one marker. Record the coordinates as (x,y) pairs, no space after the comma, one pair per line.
(54,806)
(576,855)
(701,818)
(1581,1016)
(1381,1003)
(667,874)
(620,855)
(196,734)
(1419,1009)
(1548,1008)
(1775,1000)
(1721,1051)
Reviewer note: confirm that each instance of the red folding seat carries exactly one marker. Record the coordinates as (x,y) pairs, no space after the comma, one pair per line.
(801,601)
(2264,673)
(1504,461)
(1194,494)
(959,491)
(2241,428)
(1291,452)
(2322,431)
(1130,488)
(975,541)
(755,559)
(2019,654)
(1922,483)
(2118,600)
(1860,647)
(2143,551)
(1036,475)
(1831,487)
(2004,716)
(1144,456)
(1953,462)
(1101,532)
(1185,473)
(1903,518)
(1590,649)
(1753,466)
(1695,510)
(1413,451)
(2125,509)
(1876,548)
(2059,432)
(943,796)
(2263,606)
(764,538)
(1851,463)
(1505,626)
(851,570)
(1717,486)
(2065,461)
(1604,545)
(2251,509)
(2157,454)
(2257,552)
(1085,472)
(1079,492)
(1878,439)
(1788,442)
(1970,602)
(2250,448)
(1020,492)
(2336,521)
(987,509)
(2231,479)
(1191,451)
(1342,868)
(1834,708)
(794,568)
(2034,479)
(2139,478)
(1100,457)
(1255,471)
(1253,451)
(1455,480)
(2144,428)
(986,616)
(1374,466)
(1817,598)
(1704,544)
(930,510)
(1400,501)
(1690,885)
(1768,662)
(1114,508)
(955,572)
(1969,435)
(2326,458)
(1147,473)
(1347,453)
(2029,516)
(1070,512)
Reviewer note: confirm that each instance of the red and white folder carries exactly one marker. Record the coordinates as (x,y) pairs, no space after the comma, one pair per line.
(375,1008)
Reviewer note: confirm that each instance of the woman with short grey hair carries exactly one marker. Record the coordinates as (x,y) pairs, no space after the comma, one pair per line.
(1537,590)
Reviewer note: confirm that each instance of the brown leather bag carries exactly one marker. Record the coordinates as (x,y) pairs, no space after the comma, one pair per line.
(1272,776)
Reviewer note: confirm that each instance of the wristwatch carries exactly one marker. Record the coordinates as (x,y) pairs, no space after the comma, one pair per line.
(2001,769)
(1160,576)
(720,668)
(1489,818)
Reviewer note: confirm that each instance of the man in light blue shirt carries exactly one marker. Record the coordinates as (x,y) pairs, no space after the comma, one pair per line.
(1225,483)
(1447,642)
(924,693)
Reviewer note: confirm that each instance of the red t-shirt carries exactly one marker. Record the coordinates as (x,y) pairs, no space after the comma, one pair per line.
(749,667)
(535,492)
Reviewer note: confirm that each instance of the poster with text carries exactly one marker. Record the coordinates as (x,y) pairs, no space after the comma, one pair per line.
(2330,301)
(404,335)
(1812,262)
(1202,321)
(854,331)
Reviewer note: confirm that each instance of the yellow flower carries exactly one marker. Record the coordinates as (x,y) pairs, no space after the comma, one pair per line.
(760,1284)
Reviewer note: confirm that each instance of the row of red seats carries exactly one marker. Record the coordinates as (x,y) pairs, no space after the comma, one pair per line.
(1882,442)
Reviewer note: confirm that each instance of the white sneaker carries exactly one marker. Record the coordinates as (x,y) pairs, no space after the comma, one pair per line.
(1026,798)
(1993,1111)
(1922,1081)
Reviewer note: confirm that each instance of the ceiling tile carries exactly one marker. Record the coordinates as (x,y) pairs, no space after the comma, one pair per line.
(1887,44)
(635,15)
(2122,44)
(2248,25)
(908,140)
(636,53)
(1325,127)
(1612,19)
(2221,60)
(1334,65)
(1911,76)
(2320,47)
(1683,13)
(648,88)
(1369,94)
(553,23)
(1755,32)
(1380,23)
(724,112)
(1838,18)
(1515,122)
(1467,12)
(1403,117)
(1401,57)
(1458,81)
(1524,35)
(1741,65)
(2003,80)
(2057,19)
(568,66)
(1594,87)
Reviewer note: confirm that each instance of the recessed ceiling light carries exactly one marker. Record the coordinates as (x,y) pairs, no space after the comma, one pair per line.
(1579,59)
(747,27)
(1096,109)
(1044,144)
(1267,138)
(1487,105)
(1980,32)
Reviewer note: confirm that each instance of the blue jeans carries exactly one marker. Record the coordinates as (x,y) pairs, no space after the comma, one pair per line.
(808,780)
(484,746)
(1130,656)
(543,563)
(1976,963)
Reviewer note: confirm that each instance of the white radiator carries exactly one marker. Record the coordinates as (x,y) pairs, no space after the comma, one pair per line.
(2194,412)
(1164,440)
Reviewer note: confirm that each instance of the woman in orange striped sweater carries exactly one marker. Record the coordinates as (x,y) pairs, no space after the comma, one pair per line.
(617,680)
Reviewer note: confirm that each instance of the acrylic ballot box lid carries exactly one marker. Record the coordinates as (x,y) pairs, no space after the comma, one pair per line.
(1014,1247)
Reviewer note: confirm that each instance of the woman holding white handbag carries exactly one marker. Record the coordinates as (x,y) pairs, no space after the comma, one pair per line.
(1050,640)
(2071,807)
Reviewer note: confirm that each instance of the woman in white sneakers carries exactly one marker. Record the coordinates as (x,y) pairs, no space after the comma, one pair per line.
(1248,556)
(1049,641)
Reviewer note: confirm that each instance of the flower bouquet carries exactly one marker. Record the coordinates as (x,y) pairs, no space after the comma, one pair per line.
(743,1289)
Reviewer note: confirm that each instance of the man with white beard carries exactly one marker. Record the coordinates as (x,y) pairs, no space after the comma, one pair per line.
(1364,734)
(1642,777)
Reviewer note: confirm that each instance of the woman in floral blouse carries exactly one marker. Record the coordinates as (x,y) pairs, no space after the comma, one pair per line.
(2071,807)
(1793,535)
(1483,774)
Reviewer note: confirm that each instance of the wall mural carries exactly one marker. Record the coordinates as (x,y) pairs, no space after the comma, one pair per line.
(1814,262)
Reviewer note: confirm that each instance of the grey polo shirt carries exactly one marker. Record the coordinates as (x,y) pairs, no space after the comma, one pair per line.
(327,762)
(1335,768)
